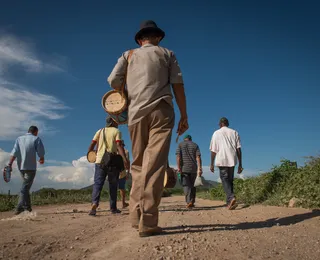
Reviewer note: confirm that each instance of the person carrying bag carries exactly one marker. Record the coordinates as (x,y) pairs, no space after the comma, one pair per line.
(108,163)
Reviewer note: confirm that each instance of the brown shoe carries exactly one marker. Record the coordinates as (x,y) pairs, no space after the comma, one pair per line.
(233,204)
(93,210)
(190,205)
(151,232)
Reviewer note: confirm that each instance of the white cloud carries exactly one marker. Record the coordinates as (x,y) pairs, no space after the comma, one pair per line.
(53,174)
(15,51)
(21,107)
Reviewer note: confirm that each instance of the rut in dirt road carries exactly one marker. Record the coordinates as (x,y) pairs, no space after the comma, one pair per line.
(209,231)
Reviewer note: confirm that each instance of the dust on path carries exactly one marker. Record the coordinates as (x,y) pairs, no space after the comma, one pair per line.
(207,232)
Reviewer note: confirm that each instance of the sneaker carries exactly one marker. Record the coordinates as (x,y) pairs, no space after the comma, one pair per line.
(233,204)
(93,211)
(115,211)
(190,205)
(18,211)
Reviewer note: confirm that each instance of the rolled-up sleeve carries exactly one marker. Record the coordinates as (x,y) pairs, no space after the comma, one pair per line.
(40,148)
(213,144)
(117,75)
(119,136)
(175,71)
(16,149)
(238,142)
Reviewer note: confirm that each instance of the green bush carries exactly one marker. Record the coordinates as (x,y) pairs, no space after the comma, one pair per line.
(277,187)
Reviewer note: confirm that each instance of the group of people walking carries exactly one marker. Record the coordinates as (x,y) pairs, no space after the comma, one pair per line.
(151,75)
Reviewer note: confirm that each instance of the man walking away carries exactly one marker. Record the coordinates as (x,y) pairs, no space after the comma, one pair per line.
(108,140)
(151,71)
(26,149)
(189,165)
(124,175)
(225,148)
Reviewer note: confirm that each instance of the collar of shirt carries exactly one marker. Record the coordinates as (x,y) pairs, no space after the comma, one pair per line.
(147,45)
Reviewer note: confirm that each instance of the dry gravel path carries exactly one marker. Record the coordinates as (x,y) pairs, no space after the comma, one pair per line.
(207,232)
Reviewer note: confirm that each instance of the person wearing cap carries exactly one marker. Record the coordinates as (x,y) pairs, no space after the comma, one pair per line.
(190,166)
(225,150)
(123,177)
(109,140)
(151,72)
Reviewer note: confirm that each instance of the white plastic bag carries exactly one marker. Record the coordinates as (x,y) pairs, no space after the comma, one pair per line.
(198,182)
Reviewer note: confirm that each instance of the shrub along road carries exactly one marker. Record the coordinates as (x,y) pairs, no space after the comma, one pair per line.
(209,231)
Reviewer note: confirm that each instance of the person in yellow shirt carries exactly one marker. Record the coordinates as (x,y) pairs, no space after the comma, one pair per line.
(124,175)
(107,140)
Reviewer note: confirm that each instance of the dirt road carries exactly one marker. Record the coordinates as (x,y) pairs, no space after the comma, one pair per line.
(207,232)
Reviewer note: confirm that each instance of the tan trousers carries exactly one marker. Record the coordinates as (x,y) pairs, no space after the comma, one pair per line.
(150,139)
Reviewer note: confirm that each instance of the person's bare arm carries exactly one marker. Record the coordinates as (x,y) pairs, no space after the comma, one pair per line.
(123,154)
(239,155)
(213,156)
(91,146)
(178,162)
(199,162)
(179,94)
(12,158)
(176,81)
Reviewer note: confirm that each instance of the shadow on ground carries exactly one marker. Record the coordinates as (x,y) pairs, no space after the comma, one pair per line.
(285,221)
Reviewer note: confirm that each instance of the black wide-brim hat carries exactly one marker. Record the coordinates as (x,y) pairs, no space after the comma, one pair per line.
(149,26)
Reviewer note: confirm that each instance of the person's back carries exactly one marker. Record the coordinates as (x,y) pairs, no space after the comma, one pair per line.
(188,153)
(151,72)
(225,149)
(189,165)
(26,152)
(226,144)
(107,139)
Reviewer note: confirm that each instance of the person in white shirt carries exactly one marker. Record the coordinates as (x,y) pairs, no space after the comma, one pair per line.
(225,150)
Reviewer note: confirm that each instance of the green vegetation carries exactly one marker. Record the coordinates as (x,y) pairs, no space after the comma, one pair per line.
(52,196)
(279,186)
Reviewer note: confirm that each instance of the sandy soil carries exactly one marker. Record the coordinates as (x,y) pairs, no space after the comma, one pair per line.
(207,232)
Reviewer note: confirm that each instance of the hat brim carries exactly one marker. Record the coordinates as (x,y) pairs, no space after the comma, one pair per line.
(146,30)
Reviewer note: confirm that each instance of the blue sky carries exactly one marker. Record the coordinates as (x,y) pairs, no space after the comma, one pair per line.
(255,62)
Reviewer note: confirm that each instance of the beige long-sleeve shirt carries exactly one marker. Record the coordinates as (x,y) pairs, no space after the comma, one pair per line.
(151,71)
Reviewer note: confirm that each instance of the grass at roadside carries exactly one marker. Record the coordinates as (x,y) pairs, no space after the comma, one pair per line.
(276,187)
(279,186)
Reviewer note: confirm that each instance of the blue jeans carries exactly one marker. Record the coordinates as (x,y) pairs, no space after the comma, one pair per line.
(24,197)
(99,179)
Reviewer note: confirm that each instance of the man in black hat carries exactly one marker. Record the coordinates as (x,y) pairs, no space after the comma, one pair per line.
(107,140)
(151,71)
(225,149)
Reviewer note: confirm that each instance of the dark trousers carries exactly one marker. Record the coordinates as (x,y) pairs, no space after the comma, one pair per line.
(187,180)
(24,197)
(99,179)
(227,176)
